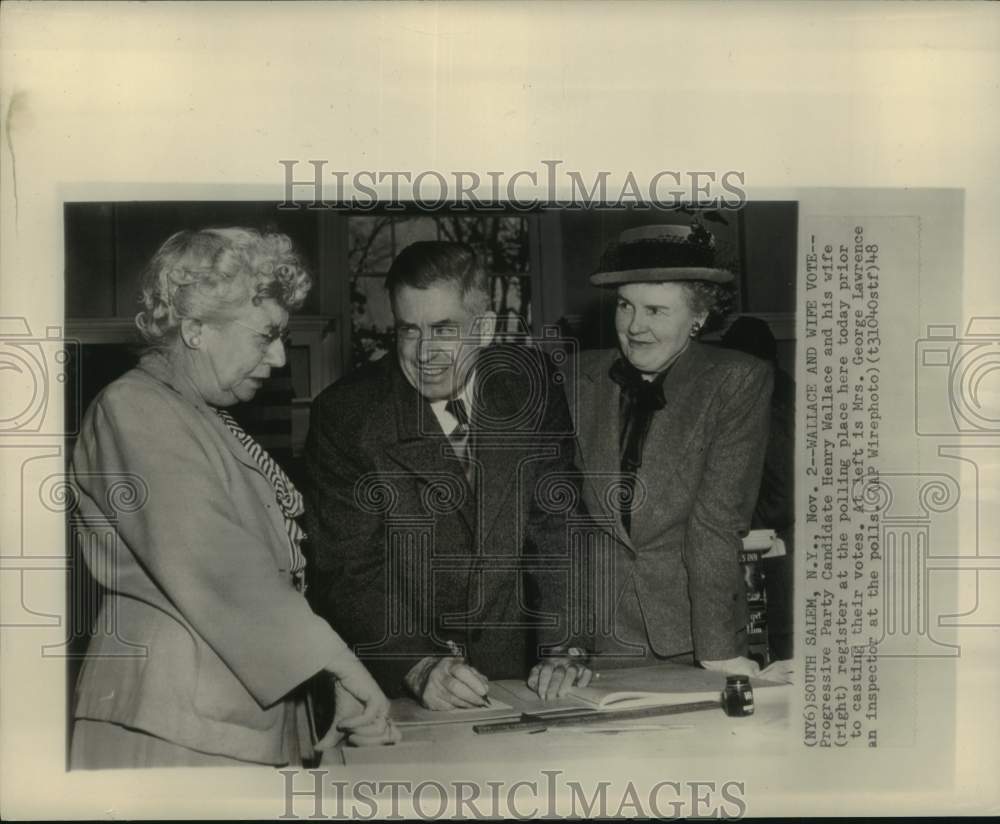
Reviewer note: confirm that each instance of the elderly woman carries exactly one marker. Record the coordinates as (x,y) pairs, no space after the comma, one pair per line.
(675,474)
(213,635)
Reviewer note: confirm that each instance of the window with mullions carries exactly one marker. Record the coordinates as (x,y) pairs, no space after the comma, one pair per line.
(502,241)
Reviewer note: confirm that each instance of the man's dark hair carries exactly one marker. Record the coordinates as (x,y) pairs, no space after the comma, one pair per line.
(429,263)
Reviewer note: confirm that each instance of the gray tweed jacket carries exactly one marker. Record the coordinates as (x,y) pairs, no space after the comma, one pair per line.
(698,483)
(405,556)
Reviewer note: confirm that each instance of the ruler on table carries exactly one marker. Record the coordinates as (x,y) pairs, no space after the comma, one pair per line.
(539,723)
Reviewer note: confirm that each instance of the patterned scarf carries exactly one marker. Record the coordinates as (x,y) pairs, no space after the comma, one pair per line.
(288,497)
(639,400)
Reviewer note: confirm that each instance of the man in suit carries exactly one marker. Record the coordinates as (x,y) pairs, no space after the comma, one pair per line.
(433,551)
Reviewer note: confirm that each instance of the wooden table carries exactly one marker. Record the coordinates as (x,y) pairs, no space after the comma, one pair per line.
(705,733)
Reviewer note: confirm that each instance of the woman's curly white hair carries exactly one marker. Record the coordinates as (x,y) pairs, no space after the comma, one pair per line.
(211,273)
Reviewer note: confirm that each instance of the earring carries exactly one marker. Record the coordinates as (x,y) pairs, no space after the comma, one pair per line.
(695,329)
(196,340)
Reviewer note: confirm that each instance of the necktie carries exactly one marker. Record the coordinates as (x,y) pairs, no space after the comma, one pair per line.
(460,437)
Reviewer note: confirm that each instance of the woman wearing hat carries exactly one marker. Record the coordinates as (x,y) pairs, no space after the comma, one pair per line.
(671,436)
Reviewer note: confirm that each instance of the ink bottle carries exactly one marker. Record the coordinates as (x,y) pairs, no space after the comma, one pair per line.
(737,698)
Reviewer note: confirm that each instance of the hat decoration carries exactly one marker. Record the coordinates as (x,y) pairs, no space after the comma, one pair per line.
(658,254)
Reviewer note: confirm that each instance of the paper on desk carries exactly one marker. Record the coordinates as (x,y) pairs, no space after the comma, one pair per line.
(527,700)
(407,712)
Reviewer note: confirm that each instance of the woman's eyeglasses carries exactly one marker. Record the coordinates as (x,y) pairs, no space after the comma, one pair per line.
(269,337)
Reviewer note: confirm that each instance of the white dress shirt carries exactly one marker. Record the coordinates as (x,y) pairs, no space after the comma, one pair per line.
(444,417)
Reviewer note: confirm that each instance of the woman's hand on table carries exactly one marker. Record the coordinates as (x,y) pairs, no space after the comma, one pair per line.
(781,672)
(361,710)
(348,723)
(734,666)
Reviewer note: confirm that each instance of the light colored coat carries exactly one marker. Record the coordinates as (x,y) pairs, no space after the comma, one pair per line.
(677,577)
(198,576)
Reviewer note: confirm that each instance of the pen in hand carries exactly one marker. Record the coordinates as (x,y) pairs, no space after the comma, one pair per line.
(453,649)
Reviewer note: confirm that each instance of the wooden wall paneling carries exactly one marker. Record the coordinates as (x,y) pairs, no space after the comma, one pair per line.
(142,227)
(771,241)
(90,260)
(335,291)
(548,281)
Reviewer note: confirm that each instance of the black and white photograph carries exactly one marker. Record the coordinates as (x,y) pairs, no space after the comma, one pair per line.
(555,451)
(476,410)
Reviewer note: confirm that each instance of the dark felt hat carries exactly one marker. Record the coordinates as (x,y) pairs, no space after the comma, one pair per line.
(658,254)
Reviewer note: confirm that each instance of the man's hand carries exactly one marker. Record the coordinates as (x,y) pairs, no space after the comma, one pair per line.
(553,677)
(734,666)
(447,683)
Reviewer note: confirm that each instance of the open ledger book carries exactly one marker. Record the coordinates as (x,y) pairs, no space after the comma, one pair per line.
(655,686)
(614,689)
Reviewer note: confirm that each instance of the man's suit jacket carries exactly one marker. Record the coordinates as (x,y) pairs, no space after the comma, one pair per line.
(404,555)
(700,474)
(210,634)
